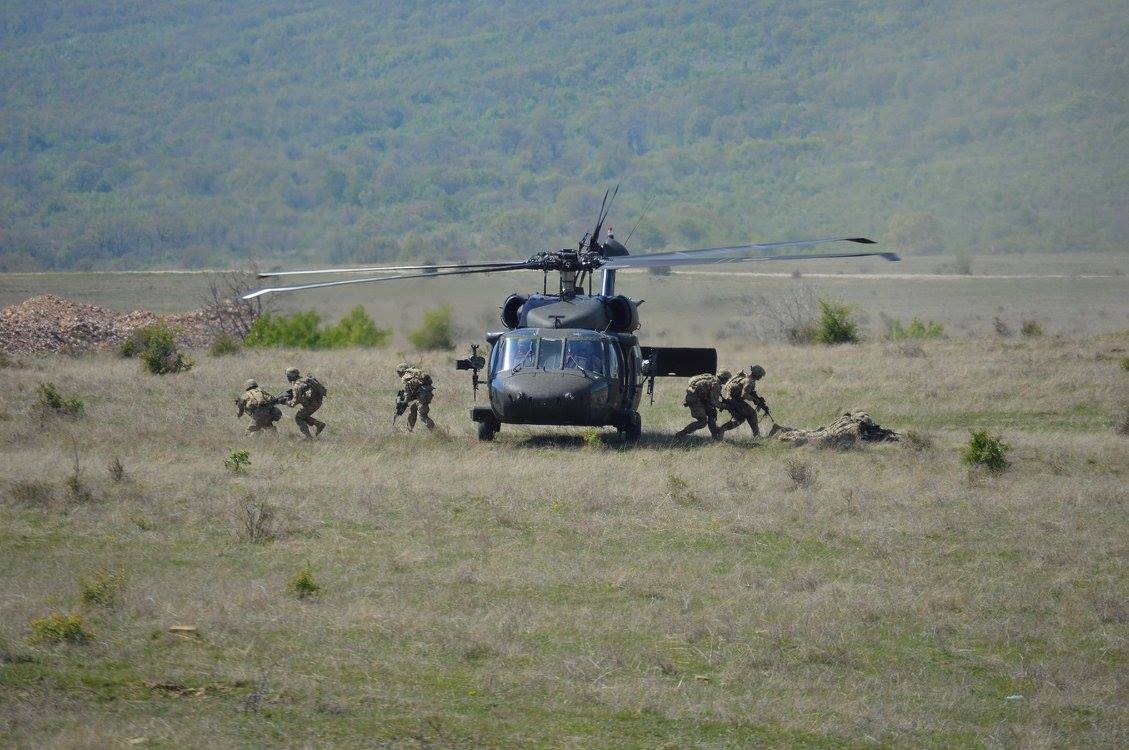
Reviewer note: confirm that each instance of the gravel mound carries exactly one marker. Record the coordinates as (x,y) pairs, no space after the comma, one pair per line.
(49,323)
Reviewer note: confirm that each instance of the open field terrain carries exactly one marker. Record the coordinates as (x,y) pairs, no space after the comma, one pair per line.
(542,591)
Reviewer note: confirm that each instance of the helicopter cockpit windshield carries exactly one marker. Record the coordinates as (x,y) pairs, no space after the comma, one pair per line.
(549,353)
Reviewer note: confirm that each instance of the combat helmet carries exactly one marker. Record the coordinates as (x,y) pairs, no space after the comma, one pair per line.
(292,373)
(249,384)
(402,368)
(724,375)
(756,372)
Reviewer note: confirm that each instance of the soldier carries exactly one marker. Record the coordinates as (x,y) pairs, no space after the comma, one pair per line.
(417,394)
(258,403)
(737,393)
(703,397)
(307,393)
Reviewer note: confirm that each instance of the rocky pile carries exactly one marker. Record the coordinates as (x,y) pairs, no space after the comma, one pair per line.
(49,323)
(847,430)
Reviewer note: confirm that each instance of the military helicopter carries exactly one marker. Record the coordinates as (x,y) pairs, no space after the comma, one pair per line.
(571,357)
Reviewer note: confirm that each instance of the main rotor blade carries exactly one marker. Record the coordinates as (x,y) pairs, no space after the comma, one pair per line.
(739,254)
(383,269)
(321,285)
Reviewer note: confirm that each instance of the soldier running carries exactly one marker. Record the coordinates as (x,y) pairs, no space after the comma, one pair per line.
(703,398)
(417,395)
(307,393)
(736,395)
(258,404)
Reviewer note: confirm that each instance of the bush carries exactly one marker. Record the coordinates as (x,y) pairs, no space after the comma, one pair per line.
(103,587)
(60,628)
(48,399)
(1031,329)
(591,437)
(224,345)
(836,326)
(237,462)
(1125,364)
(915,330)
(303,585)
(302,331)
(986,450)
(155,346)
(436,332)
(1002,328)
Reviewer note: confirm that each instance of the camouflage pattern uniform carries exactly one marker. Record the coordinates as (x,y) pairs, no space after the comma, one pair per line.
(307,393)
(703,398)
(256,402)
(737,393)
(418,392)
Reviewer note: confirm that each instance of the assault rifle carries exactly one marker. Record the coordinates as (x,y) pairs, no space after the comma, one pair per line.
(282,398)
(401,405)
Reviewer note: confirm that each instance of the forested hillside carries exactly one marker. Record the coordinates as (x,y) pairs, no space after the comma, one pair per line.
(195,134)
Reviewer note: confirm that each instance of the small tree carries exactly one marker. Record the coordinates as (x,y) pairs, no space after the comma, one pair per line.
(836,326)
(155,346)
(986,450)
(48,399)
(437,330)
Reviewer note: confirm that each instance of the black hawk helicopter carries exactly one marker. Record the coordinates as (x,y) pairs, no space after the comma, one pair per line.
(572,357)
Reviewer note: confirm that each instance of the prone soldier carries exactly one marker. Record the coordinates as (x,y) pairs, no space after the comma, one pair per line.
(260,406)
(307,393)
(736,395)
(416,396)
(703,398)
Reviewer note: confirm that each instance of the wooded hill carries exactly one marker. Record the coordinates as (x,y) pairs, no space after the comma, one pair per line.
(192,134)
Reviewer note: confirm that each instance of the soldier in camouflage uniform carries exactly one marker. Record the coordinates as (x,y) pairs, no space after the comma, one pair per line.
(417,393)
(257,402)
(703,398)
(736,395)
(307,393)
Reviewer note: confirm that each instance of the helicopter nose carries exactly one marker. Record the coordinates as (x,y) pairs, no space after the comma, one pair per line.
(563,398)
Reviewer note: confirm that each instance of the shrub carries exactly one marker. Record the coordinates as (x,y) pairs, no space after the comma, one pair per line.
(238,462)
(800,472)
(355,329)
(302,331)
(303,585)
(60,628)
(116,469)
(77,491)
(1031,329)
(436,332)
(836,326)
(962,264)
(255,519)
(659,270)
(155,346)
(103,587)
(48,399)
(917,329)
(591,436)
(1125,364)
(224,345)
(1002,328)
(986,450)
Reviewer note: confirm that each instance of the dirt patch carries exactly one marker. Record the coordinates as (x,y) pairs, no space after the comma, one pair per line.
(49,323)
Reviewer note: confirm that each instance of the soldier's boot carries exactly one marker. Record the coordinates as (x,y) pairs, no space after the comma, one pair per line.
(318,426)
(715,432)
(754,425)
(429,422)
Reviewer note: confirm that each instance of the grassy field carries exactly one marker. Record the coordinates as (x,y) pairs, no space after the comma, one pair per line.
(540,591)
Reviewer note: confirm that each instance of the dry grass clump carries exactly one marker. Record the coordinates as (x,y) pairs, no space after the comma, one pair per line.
(917,441)
(678,491)
(115,469)
(1122,426)
(801,473)
(254,519)
(31,493)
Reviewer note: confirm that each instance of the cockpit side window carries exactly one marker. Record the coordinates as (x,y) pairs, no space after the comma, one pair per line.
(613,361)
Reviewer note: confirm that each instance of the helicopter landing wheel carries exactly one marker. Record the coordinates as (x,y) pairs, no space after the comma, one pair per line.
(487,430)
(632,428)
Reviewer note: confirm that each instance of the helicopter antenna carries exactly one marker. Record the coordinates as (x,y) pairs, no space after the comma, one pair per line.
(640,220)
(605,207)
